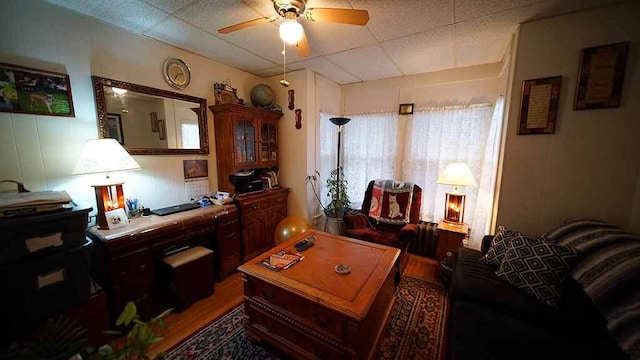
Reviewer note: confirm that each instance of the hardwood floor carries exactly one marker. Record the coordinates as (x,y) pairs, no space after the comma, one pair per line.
(228,294)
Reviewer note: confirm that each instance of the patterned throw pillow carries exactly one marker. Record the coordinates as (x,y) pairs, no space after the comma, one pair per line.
(537,267)
(498,246)
(574,228)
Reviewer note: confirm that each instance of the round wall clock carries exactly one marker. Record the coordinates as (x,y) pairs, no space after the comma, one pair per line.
(177,73)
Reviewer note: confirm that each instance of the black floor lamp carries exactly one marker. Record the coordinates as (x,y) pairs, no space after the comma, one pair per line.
(340,122)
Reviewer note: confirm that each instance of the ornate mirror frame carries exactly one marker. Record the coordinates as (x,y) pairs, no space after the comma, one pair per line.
(98,88)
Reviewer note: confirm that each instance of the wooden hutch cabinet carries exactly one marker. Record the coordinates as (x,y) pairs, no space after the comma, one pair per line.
(261,213)
(246,138)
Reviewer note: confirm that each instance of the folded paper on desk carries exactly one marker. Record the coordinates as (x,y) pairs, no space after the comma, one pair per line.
(14,204)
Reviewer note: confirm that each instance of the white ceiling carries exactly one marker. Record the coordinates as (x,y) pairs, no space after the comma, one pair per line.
(403,37)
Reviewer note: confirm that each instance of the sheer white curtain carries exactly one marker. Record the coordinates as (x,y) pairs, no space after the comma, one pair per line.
(438,136)
(369,150)
(370,146)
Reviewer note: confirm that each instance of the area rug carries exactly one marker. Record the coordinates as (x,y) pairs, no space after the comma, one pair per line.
(415,330)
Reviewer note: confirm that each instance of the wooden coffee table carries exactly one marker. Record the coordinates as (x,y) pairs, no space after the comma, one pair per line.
(310,311)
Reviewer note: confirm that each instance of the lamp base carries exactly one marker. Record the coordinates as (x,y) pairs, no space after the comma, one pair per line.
(108,197)
(454,208)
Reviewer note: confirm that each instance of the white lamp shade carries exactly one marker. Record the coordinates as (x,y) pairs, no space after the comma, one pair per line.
(458,174)
(104,156)
(291,31)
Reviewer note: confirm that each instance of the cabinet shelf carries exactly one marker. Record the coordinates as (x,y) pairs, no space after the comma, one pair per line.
(246,138)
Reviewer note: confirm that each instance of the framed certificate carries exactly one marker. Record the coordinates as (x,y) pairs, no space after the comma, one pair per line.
(600,76)
(539,107)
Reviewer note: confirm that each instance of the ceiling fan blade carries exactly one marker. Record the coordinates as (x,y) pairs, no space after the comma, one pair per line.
(243,25)
(344,16)
(303,47)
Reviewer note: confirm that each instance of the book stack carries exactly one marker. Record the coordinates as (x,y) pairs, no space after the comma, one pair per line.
(32,203)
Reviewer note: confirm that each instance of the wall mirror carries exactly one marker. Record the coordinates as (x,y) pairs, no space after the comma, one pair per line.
(149,121)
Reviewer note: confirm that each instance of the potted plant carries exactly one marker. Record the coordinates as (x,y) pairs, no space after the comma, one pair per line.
(337,192)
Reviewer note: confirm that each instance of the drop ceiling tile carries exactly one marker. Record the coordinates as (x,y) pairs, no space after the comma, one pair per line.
(485,40)
(425,52)
(327,38)
(327,69)
(274,70)
(213,15)
(394,19)
(133,15)
(180,34)
(368,63)
(472,9)
(169,6)
(262,40)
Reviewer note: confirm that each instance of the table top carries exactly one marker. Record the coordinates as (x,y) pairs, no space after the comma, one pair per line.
(145,224)
(315,277)
(462,228)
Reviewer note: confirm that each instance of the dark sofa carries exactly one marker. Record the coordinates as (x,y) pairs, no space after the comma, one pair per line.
(491,319)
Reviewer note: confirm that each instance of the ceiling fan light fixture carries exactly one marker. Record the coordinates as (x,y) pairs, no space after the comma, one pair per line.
(291,31)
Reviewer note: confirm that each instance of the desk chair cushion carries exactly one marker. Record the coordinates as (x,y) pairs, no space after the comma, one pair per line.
(187,256)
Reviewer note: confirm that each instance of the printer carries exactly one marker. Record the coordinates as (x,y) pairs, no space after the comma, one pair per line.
(246,181)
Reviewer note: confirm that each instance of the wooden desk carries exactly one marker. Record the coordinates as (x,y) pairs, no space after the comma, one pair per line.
(450,238)
(310,311)
(125,258)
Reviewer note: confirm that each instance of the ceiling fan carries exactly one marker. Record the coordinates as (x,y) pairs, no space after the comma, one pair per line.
(291,31)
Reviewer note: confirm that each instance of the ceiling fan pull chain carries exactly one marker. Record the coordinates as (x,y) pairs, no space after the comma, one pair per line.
(284,81)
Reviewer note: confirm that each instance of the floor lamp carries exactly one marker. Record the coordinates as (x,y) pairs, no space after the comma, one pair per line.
(340,122)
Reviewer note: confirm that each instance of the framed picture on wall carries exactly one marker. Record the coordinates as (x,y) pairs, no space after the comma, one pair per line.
(162,130)
(33,91)
(405,109)
(539,106)
(600,76)
(114,127)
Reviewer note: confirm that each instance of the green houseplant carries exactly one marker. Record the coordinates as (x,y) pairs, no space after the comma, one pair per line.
(337,192)
(339,203)
(140,335)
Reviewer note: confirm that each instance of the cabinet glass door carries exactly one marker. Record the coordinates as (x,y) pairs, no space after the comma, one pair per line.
(245,142)
(268,143)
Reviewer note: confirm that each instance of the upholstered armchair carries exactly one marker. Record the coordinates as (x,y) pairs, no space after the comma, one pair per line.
(399,233)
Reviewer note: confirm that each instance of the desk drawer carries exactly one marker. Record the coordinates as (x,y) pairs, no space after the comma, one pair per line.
(276,200)
(254,206)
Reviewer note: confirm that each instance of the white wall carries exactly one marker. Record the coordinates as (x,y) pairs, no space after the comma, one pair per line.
(41,151)
(298,147)
(590,166)
(442,87)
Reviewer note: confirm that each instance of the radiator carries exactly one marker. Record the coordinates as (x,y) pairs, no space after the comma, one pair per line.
(427,241)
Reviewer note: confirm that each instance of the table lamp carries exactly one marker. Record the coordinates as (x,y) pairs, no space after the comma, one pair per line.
(457,174)
(105,156)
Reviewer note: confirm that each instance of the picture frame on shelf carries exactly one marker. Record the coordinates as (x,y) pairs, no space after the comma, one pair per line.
(33,91)
(600,76)
(539,105)
(114,127)
(116,218)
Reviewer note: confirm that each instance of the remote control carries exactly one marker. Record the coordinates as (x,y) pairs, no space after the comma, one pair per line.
(301,242)
(305,246)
